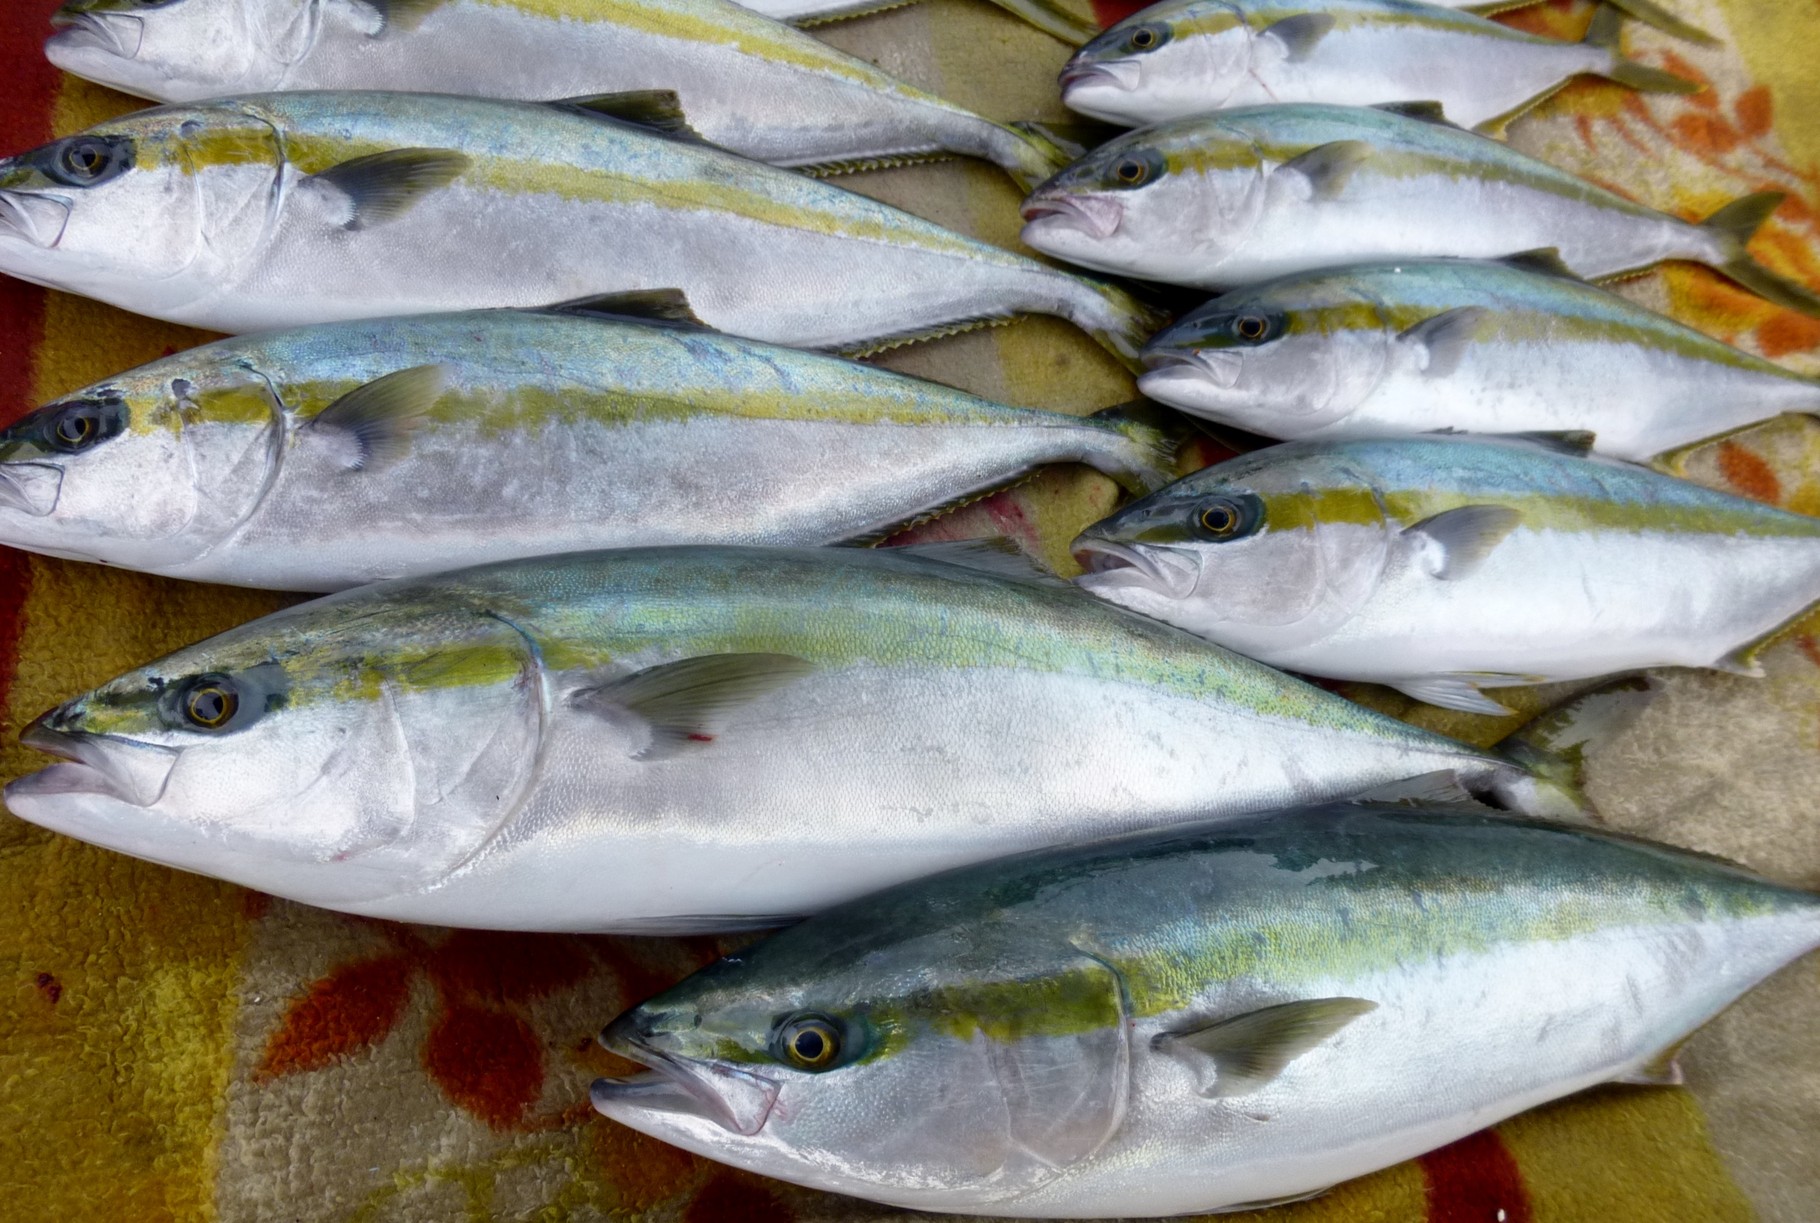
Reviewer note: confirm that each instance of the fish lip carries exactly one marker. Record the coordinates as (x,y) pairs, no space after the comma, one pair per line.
(1110,564)
(1220,367)
(135,773)
(30,488)
(34,217)
(1106,72)
(736,1100)
(102,32)
(1095,215)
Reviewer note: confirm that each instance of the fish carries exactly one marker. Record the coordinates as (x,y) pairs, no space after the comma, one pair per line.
(1250,194)
(1476,346)
(1058,20)
(737,79)
(1445,565)
(347,453)
(282,210)
(700,738)
(1182,58)
(1200,1019)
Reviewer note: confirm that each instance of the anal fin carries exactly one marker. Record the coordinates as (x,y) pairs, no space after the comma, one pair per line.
(1458,692)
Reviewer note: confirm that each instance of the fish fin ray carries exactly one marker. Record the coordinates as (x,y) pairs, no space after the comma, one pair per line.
(1465,537)
(1456,692)
(678,704)
(885,343)
(1609,17)
(1605,31)
(657,110)
(1248,1051)
(1732,227)
(381,416)
(1326,168)
(1445,338)
(384,186)
(1299,35)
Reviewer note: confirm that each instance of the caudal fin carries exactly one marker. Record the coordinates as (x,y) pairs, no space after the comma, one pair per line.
(1032,154)
(1151,439)
(1120,322)
(1731,229)
(1604,32)
(1551,749)
(1054,18)
(1650,13)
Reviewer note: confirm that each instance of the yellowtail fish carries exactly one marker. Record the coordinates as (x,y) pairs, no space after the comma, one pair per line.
(1200,1020)
(696,738)
(1244,195)
(330,456)
(1446,565)
(280,210)
(1191,57)
(1519,346)
(739,80)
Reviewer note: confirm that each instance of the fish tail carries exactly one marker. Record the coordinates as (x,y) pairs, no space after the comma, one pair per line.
(1033,154)
(1148,455)
(1551,750)
(1120,322)
(1603,34)
(1053,18)
(1730,230)
(1649,13)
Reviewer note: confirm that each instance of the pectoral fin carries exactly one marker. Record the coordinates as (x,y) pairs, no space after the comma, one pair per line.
(381,416)
(1239,1055)
(384,186)
(1441,341)
(1452,692)
(404,14)
(1300,34)
(667,708)
(1461,539)
(1326,168)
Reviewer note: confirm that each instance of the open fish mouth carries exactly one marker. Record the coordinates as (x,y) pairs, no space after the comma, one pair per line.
(1214,365)
(115,33)
(1110,564)
(30,488)
(38,219)
(103,765)
(734,1099)
(1119,74)
(1094,215)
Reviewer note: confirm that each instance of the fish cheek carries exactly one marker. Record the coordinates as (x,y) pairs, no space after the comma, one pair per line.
(1261,590)
(128,491)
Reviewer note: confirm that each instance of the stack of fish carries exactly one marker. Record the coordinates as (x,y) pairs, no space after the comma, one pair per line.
(545,369)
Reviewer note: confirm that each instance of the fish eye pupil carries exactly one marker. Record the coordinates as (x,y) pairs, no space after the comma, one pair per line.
(1251,327)
(1144,39)
(1131,170)
(211,706)
(75,428)
(809,1044)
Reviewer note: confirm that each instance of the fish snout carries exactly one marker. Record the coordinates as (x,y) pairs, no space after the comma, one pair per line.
(1094,215)
(135,773)
(81,29)
(1114,74)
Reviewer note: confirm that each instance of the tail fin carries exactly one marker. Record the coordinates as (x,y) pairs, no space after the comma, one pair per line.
(1119,321)
(1053,18)
(1551,749)
(1652,14)
(1033,154)
(1606,25)
(1731,229)
(1153,437)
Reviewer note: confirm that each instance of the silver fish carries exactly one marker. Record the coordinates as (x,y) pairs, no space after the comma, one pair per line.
(280,210)
(724,736)
(739,80)
(1200,1020)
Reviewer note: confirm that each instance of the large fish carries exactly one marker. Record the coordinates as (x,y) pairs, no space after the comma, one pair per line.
(1205,1019)
(1242,195)
(1518,346)
(284,209)
(742,81)
(1053,17)
(330,456)
(693,738)
(1191,57)
(1444,565)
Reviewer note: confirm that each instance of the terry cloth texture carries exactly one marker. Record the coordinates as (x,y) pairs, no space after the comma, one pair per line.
(175,1048)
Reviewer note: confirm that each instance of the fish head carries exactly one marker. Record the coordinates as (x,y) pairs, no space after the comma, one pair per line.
(1179,58)
(1282,359)
(920,1069)
(1152,202)
(1264,552)
(182,50)
(150,209)
(144,470)
(343,750)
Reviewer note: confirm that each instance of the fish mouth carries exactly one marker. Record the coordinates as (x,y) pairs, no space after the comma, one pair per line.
(1110,565)
(1094,215)
(104,765)
(30,488)
(38,219)
(1218,366)
(1121,74)
(736,1100)
(114,33)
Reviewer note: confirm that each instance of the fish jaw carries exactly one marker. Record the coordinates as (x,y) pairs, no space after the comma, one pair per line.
(1078,228)
(88,37)
(1102,90)
(33,218)
(135,773)
(736,1100)
(1116,571)
(32,489)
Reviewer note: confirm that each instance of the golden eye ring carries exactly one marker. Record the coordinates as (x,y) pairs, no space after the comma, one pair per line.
(810,1041)
(76,430)
(1143,38)
(211,706)
(1220,520)
(1252,328)
(1131,171)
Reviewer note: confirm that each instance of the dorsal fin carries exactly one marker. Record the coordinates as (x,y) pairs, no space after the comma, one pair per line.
(659,110)
(1545,260)
(1427,112)
(669,307)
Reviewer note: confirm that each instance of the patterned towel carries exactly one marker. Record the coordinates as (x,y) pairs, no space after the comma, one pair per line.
(176,1048)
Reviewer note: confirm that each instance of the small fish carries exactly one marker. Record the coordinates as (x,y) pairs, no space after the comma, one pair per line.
(331,456)
(1245,195)
(738,80)
(1200,1019)
(675,739)
(285,209)
(1191,57)
(1517,346)
(1054,17)
(1445,565)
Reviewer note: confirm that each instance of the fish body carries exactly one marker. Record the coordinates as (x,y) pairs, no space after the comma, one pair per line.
(281,210)
(1246,195)
(688,738)
(1442,565)
(1390,349)
(742,81)
(335,455)
(1200,1019)
(1190,57)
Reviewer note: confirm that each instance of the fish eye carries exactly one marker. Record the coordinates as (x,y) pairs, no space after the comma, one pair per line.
(1252,328)
(1131,171)
(1227,518)
(210,702)
(808,1040)
(87,161)
(1143,38)
(76,428)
